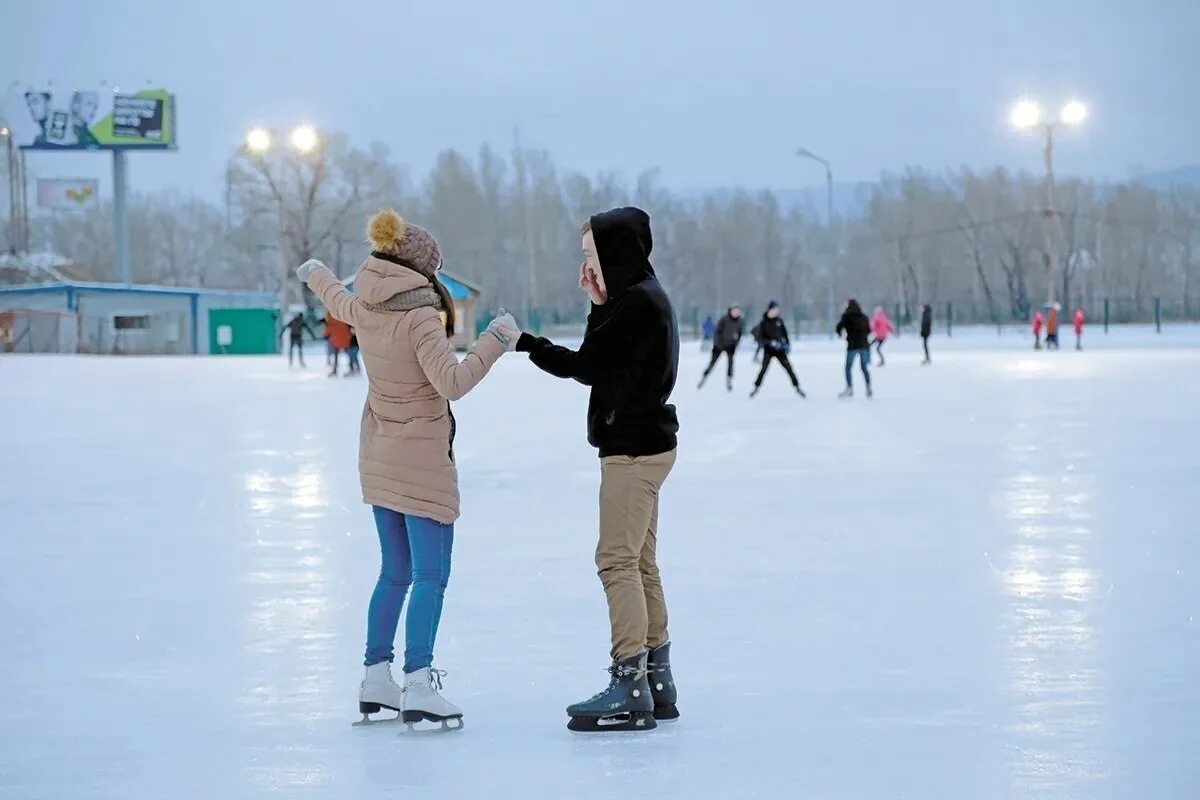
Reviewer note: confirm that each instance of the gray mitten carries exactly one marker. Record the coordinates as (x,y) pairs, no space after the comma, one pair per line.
(505,328)
(308,268)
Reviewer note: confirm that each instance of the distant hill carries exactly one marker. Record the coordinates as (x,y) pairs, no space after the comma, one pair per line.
(849,199)
(1181,176)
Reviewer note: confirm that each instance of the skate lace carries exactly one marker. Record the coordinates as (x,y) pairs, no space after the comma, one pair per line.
(435,678)
(617,672)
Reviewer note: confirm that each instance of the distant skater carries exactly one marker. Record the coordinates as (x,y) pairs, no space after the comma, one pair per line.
(857,330)
(726,337)
(1037,330)
(772,336)
(881,328)
(339,340)
(1052,328)
(352,353)
(1078,319)
(926,330)
(295,330)
(708,330)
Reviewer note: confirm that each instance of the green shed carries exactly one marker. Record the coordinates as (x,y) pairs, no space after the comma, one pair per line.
(243,331)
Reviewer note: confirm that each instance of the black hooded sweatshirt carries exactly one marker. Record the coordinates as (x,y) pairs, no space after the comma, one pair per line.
(857,327)
(630,350)
(926,321)
(729,332)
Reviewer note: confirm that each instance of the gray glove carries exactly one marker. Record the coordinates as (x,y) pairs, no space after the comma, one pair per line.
(308,268)
(505,328)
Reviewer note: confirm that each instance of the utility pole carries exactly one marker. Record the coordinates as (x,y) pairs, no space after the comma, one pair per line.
(1048,216)
(121,216)
(833,249)
(1027,116)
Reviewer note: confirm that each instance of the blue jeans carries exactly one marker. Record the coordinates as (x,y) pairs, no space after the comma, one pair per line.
(864,357)
(415,552)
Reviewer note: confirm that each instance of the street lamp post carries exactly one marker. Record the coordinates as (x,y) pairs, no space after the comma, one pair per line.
(303,140)
(1027,116)
(11,168)
(805,153)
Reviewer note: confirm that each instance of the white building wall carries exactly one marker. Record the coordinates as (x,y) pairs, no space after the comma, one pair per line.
(55,300)
(170,330)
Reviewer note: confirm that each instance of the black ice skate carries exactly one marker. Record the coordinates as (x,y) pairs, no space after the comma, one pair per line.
(662,683)
(626,705)
(800,392)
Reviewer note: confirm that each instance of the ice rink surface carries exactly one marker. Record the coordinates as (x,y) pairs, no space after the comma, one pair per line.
(984,583)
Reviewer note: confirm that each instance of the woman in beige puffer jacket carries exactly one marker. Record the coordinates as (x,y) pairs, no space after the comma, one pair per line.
(404,319)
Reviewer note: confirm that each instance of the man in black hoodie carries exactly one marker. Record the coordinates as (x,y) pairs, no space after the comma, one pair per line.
(926,329)
(629,357)
(725,341)
(772,336)
(857,329)
(295,329)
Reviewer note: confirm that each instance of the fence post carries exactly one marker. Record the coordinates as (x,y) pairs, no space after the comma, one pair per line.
(1106,316)
(949,319)
(1158,315)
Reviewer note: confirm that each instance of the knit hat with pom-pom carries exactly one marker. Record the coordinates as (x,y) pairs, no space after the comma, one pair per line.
(402,241)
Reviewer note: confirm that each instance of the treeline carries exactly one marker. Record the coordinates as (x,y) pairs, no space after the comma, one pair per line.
(510,223)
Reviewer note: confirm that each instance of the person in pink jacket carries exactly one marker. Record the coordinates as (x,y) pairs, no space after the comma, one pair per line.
(881,328)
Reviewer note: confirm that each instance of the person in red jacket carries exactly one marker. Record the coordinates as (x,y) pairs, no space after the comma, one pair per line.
(339,339)
(1037,330)
(1078,320)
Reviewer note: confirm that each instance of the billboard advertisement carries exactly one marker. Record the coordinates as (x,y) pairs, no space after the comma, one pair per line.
(87,119)
(67,194)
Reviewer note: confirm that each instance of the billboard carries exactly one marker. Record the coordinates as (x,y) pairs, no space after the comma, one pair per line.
(100,119)
(68,194)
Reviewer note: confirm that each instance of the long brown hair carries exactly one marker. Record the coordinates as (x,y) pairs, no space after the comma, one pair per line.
(447,304)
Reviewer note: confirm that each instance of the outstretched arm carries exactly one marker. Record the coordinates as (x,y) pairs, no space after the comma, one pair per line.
(341,304)
(452,378)
(595,355)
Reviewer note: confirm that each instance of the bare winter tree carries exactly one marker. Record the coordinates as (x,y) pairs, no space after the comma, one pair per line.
(510,225)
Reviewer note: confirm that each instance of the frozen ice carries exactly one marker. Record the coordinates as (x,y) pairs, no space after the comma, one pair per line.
(984,583)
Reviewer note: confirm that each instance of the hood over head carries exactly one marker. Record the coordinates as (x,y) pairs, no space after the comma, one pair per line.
(623,245)
(379,279)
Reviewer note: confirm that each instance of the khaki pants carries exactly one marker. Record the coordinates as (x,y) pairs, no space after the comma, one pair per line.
(625,555)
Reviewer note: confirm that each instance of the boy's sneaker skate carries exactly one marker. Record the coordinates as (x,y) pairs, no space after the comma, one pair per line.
(662,683)
(377,692)
(423,703)
(626,705)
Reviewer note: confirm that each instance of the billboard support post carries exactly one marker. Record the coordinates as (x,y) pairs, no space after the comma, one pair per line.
(13,195)
(120,217)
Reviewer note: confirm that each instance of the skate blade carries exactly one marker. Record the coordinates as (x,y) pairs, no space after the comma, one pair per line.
(367,722)
(620,723)
(445,724)
(368,708)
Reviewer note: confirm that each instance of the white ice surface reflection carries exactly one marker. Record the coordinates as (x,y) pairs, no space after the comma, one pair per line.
(985,583)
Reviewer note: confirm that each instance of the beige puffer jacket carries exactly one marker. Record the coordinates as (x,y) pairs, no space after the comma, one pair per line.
(405,457)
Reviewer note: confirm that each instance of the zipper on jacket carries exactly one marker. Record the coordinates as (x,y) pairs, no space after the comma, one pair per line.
(453,429)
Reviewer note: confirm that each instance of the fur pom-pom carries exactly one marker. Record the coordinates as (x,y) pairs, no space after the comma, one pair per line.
(386,230)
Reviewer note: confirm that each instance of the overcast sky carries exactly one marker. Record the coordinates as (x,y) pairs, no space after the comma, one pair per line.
(716,94)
